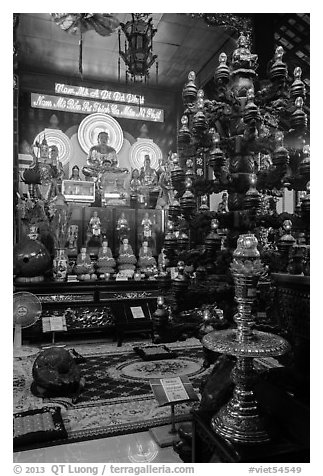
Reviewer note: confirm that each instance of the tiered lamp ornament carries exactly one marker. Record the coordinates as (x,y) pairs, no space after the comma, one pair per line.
(181,282)
(305,165)
(285,244)
(278,71)
(199,122)
(213,240)
(280,155)
(160,316)
(177,173)
(174,208)
(189,93)
(170,243)
(188,200)
(252,201)
(297,89)
(216,155)
(239,420)
(184,135)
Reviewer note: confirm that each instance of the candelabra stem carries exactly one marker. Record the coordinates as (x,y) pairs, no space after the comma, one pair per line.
(239,420)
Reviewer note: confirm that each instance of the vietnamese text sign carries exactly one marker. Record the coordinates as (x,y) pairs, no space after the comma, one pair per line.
(174,389)
(54,323)
(101,94)
(88,106)
(137,312)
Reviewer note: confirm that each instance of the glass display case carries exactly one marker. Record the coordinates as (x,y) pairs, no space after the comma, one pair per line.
(78,191)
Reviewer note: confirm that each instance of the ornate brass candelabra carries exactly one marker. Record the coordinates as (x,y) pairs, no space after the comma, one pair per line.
(239,420)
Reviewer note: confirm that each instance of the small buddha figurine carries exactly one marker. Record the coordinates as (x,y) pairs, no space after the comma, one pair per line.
(105,262)
(148,175)
(146,259)
(126,259)
(122,226)
(135,182)
(95,224)
(101,157)
(84,267)
(126,249)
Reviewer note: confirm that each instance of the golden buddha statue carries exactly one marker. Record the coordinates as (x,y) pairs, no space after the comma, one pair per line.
(101,157)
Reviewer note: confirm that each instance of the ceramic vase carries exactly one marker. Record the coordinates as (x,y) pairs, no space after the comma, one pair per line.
(60,265)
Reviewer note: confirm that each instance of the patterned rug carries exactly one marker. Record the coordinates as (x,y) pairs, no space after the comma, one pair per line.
(117,397)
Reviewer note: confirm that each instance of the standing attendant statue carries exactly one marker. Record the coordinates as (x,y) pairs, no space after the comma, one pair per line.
(148,175)
(122,227)
(95,224)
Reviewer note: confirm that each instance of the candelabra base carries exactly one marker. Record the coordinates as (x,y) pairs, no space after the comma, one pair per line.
(239,424)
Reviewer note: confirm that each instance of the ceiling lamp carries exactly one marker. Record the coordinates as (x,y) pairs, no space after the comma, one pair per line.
(138,51)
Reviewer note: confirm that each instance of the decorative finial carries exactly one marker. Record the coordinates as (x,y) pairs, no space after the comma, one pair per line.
(190,90)
(184,120)
(279,53)
(223,58)
(299,103)
(278,69)
(299,118)
(297,73)
(222,72)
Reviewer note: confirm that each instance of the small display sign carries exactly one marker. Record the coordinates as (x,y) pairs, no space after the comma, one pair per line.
(54,324)
(137,312)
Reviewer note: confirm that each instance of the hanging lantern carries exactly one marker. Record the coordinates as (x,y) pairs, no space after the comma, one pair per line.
(138,54)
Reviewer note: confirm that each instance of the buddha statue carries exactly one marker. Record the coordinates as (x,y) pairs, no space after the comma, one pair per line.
(101,157)
(146,262)
(84,267)
(126,259)
(135,182)
(105,263)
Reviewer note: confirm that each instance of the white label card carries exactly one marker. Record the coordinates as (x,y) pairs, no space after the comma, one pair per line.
(174,389)
(137,312)
(54,323)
